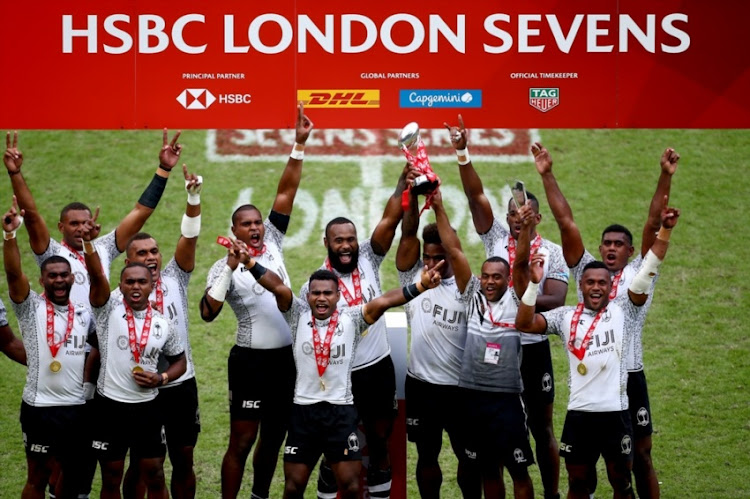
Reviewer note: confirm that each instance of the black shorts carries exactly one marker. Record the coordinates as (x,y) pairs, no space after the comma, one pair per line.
(322,428)
(261,384)
(52,431)
(120,426)
(640,407)
(587,435)
(495,429)
(182,417)
(374,391)
(430,409)
(538,376)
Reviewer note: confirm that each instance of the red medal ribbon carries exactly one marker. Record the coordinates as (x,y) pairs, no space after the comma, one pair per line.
(422,163)
(535,244)
(55,347)
(323,352)
(498,324)
(357,299)
(227,243)
(615,282)
(137,348)
(75,253)
(580,352)
(159,296)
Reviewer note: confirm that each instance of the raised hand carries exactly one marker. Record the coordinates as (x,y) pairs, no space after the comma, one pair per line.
(13,158)
(542,158)
(669,215)
(458,134)
(527,214)
(536,266)
(437,198)
(430,278)
(91,229)
(170,150)
(193,182)
(669,159)
(13,218)
(304,125)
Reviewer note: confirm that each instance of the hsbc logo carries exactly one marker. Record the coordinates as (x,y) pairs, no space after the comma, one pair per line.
(202,98)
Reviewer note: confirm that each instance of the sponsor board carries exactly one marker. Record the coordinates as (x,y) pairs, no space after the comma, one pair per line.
(339,99)
(440,98)
(544,99)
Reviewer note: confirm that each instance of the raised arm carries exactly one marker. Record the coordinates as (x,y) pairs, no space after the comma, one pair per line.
(527,320)
(184,254)
(523,249)
(35,224)
(451,243)
(134,221)
(572,243)
(640,286)
(668,163)
(213,298)
(408,247)
(481,210)
(18,283)
(385,231)
(374,309)
(290,178)
(99,291)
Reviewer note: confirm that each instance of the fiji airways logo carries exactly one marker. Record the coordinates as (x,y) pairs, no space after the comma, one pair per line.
(202,98)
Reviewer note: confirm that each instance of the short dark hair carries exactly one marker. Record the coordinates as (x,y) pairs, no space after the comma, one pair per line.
(136,264)
(324,275)
(138,236)
(52,260)
(430,234)
(620,229)
(498,259)
(596,264)
(339,221)
(74,206)
(533,199)
(244,207)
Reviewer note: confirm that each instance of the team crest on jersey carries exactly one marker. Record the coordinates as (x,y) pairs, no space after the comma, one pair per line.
(122,342)
(353,442)
(339,329)
(258,289)
(81,319)
(307,348)
(607,315)
(426,305)
(80,278)
(157,331)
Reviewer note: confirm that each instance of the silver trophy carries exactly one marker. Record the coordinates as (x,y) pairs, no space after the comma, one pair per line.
(414,150)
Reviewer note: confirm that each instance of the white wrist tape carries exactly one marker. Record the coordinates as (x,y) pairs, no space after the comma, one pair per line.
(191,226)
(12,234)
(194,193)
(89,389)
(298,151)
(220,287)
(463,156)
(642,281)
(529,296)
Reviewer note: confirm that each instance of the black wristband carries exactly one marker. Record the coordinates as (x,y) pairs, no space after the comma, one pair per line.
(151,196)
(411,291)
(161,166)
(10,173)
(257,271)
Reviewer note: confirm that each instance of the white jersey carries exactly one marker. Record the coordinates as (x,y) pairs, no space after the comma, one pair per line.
(496,244)
(634,353)
(604,386)
(45,388)
(337,378)
(260,324)
(492,355)
(106,246)
(3,315)
(116,372)
(374,346)
(174,285)
(437,319)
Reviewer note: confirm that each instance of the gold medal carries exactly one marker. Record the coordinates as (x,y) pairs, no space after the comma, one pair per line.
(55,366)
(137,369)
(582,369)
(322,385)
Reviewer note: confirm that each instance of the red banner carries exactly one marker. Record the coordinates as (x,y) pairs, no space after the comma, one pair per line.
(543,64)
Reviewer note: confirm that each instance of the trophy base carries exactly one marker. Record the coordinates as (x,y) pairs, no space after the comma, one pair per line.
(423,185)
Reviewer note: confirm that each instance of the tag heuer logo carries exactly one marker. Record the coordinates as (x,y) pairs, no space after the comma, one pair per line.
(196,98)
(544,99)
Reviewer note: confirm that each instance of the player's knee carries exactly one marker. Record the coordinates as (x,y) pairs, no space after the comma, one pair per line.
(293,488)
(379,482)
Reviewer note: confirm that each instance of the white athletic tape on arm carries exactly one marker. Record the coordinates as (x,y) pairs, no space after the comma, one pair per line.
(194,193)
(191,226)
(463,156)
(298,151)
(645,276)
(529,296)
(221,285)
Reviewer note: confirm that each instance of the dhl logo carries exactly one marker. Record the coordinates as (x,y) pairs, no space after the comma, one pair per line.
(339,98)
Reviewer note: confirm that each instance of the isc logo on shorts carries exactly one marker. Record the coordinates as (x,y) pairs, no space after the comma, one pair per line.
(39,448)
(566,447)
(251,404)
(96,444)
(290,450)
(412,421)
